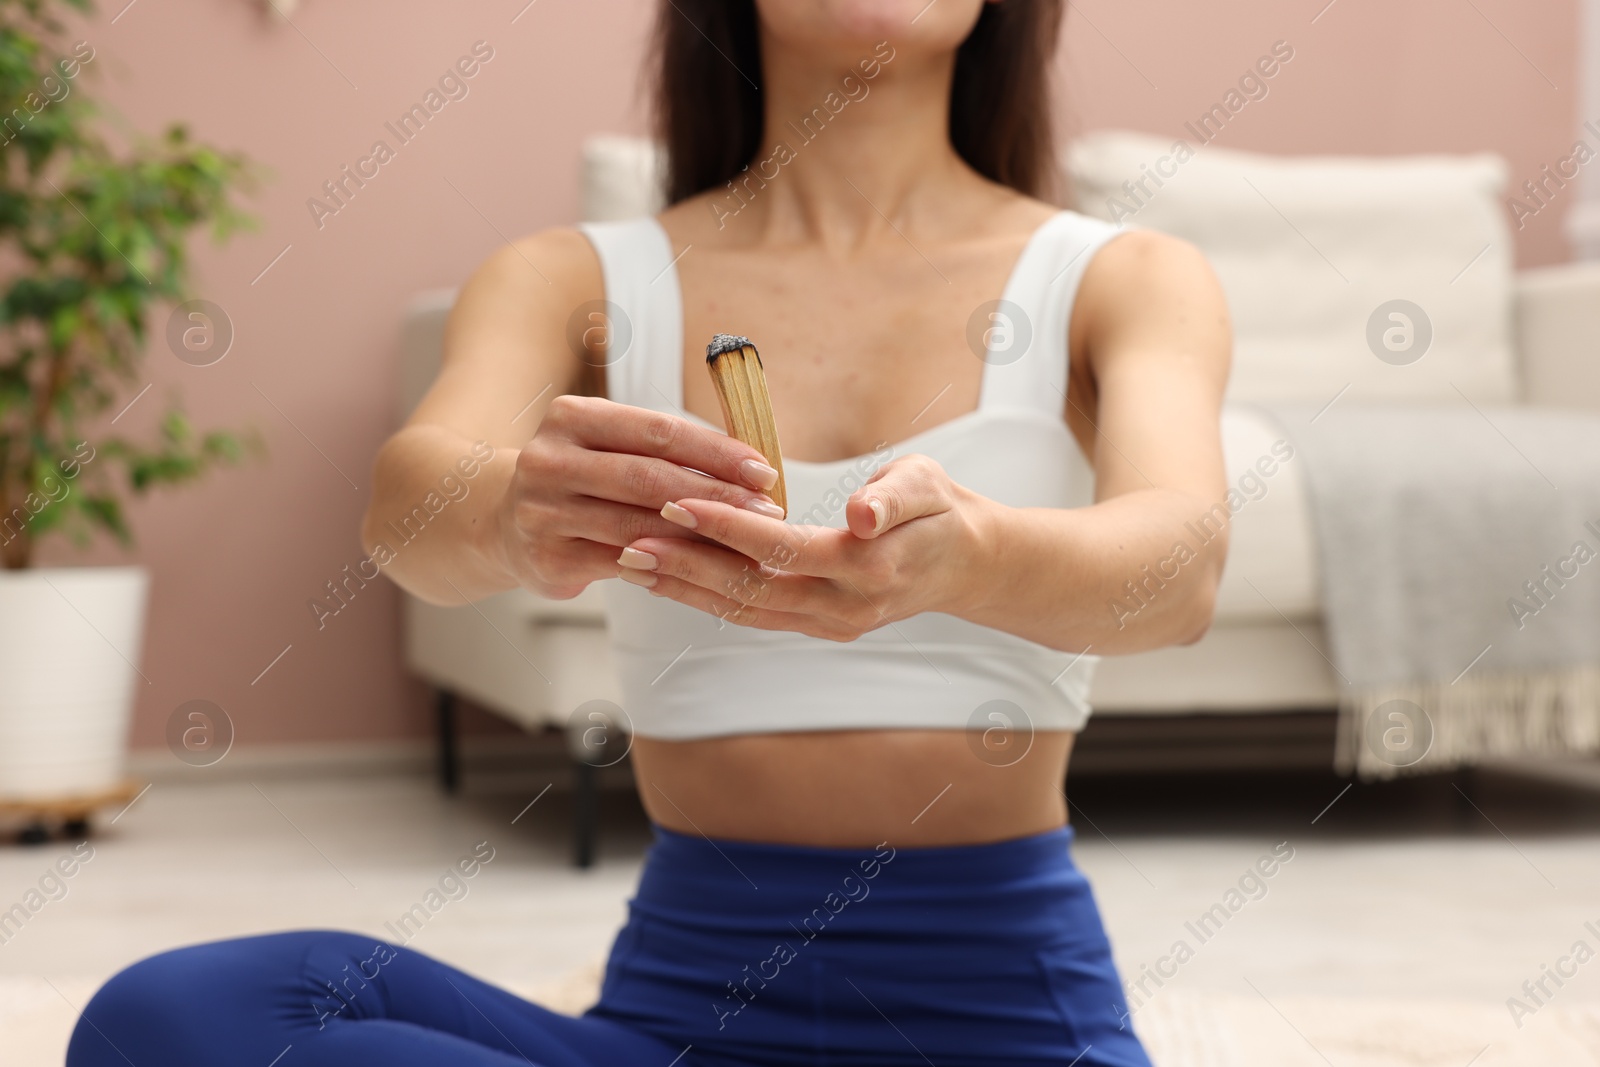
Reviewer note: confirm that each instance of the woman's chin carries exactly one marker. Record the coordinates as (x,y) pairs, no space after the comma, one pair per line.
(945,22)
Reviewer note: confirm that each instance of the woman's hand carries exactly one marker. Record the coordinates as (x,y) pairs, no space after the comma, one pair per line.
(595,477)
(912,539)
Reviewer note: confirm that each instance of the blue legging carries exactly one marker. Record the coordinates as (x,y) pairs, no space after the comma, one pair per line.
(734,953)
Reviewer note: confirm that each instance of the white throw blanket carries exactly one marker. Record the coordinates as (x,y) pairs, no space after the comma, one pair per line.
(1460,550)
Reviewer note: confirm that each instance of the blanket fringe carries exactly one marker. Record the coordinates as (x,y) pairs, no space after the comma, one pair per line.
(1484,717)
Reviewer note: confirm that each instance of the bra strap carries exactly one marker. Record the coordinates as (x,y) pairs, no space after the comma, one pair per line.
(1027,369)
(645,317)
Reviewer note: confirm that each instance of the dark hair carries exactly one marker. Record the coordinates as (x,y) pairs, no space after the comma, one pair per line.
(708,113)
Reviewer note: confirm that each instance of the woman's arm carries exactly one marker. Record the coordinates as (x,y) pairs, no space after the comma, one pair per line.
(503,347)
(1140,568)
(1136,570)
(502,478)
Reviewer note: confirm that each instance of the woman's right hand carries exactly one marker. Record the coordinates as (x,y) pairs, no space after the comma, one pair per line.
(595,478)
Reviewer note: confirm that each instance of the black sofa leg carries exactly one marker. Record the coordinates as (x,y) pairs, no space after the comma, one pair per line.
(1465,778)
(449,750)
(585,811)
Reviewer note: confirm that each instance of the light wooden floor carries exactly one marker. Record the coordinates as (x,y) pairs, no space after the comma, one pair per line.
(1402,891)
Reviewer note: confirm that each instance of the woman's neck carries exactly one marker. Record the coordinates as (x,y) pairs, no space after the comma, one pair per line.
(851,148)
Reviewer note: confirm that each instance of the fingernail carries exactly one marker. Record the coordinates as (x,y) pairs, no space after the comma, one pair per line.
(762,506)
(643,578)
(675,512)
(758,473)
(632,557)
(879,515)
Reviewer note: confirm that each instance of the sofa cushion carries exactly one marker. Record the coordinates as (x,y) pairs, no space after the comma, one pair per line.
(622,178)
(1309,249)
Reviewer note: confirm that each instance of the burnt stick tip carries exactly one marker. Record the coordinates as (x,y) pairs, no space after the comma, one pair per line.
(728,342)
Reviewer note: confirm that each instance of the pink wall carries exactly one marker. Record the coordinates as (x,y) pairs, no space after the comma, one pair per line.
(235,560)
(1369,76)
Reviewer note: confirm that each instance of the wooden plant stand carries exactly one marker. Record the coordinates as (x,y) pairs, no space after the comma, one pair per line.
(64,816)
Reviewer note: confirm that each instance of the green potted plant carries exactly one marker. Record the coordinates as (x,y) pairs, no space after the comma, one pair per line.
(92,243)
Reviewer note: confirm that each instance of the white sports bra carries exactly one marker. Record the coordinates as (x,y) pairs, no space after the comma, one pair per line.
(687,674)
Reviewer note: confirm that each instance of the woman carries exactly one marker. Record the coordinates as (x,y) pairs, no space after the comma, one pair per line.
(851,728)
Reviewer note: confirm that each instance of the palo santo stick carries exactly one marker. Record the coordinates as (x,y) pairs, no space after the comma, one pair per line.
(735,368)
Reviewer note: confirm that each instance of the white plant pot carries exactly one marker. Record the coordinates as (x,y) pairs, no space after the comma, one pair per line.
(69,639)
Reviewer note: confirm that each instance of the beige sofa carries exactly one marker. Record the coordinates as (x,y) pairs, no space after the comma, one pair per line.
(1307,250)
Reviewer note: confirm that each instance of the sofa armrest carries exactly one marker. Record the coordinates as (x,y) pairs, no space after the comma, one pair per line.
(1558,335)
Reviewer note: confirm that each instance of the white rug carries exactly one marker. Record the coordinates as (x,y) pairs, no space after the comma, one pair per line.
(1180,1028)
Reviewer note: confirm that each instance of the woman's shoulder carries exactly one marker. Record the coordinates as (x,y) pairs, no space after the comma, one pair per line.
(1140,277)
(529,288)
(1006,214)
(1130,256)
(558,263)
(560,246)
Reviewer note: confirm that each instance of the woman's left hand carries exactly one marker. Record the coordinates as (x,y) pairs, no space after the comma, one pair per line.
(913,538)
